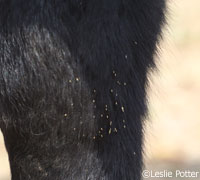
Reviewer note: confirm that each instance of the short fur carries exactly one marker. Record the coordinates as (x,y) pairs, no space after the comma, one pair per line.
(72,86)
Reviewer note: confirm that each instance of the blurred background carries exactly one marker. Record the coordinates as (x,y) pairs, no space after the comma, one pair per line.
(172,133)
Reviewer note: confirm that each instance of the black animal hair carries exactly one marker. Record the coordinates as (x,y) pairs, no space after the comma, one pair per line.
(72,86)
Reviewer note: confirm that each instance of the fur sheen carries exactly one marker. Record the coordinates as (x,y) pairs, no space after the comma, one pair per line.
(72,86)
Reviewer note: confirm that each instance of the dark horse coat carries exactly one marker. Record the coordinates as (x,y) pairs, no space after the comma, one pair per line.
(72,86)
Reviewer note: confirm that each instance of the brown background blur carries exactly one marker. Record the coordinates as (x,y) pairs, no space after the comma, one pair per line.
(173,129)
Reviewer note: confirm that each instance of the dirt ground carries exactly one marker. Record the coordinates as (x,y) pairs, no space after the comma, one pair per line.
(172,138)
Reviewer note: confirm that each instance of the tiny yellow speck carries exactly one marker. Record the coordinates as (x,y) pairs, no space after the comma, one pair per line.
(125,84)
(101,129)
(118,82)
(81,122)
(94,117)
(74,129)
(40,168)
(111,90)
(65,115)
(106,109)
(106,105)
(94,137)
(101,115)
(72,104)
(124,121)
(122,109)
(70,81)
(115,129)
(110,131)
(110,123)
(116,94)
(107,116)
(94,91)
(124,126)
(115,74)
(116,103)
(77,79)
(93,101)
(101,135)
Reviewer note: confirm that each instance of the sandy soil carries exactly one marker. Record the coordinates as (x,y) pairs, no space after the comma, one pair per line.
(173,129)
